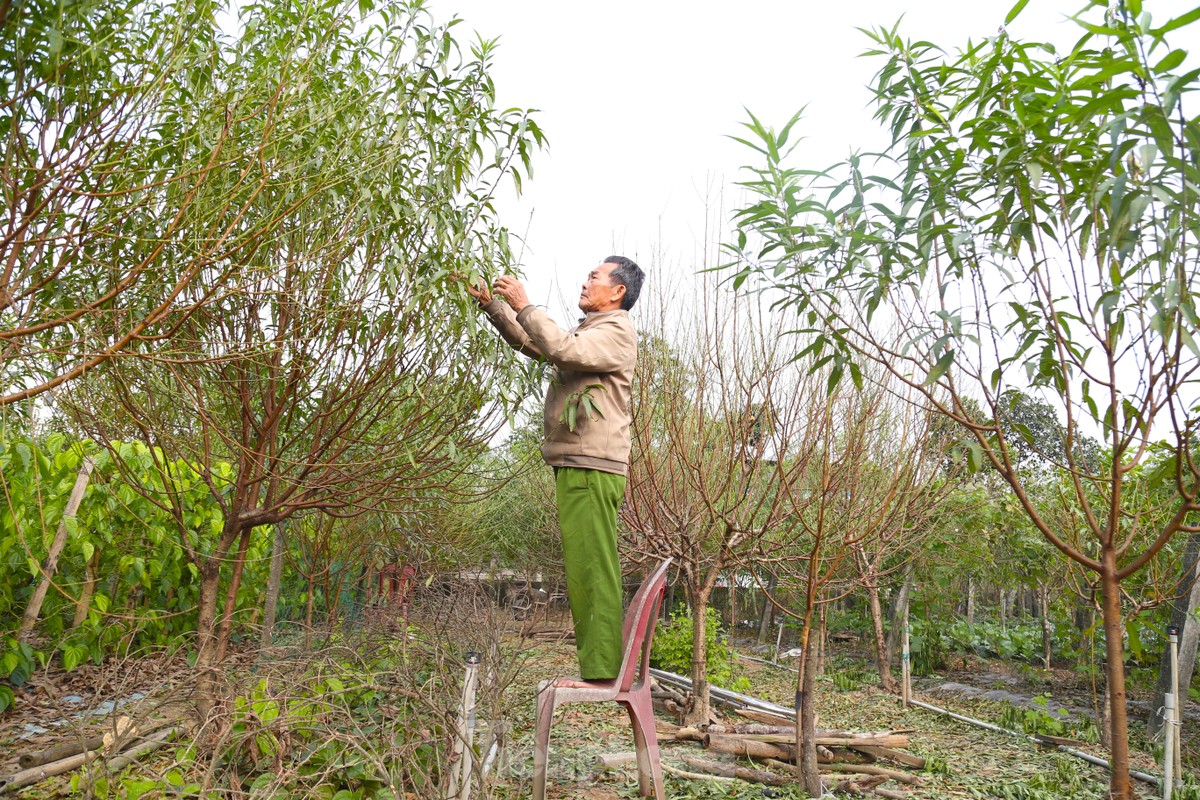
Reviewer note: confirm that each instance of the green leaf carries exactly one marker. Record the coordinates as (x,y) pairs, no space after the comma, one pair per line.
(939,369)
(1170,61)
(1015,11)
(1178,22)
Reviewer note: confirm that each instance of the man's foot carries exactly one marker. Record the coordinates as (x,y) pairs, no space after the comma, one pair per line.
(584,683)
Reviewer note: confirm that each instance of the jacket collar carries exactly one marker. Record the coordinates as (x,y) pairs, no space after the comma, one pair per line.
(602,314)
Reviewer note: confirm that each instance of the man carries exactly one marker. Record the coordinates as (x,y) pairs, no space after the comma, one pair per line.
(586,420)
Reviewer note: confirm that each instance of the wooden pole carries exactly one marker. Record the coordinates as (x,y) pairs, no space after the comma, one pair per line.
(459,786)
(56,547)
(1174,717)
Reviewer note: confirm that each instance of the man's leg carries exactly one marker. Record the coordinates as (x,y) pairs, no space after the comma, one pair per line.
(588,501)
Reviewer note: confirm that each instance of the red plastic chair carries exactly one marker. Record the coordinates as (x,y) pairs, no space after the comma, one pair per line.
(631,689)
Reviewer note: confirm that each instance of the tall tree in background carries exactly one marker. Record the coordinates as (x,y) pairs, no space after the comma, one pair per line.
(1032,226)
(128,170)
(863,502)
(719,441)
(342,374)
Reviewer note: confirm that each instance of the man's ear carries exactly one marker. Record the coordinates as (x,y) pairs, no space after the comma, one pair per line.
(620,287)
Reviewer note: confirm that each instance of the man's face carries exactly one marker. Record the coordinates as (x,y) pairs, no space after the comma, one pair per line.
(599,292)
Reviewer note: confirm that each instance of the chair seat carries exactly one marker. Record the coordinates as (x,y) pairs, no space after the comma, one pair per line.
(631,688)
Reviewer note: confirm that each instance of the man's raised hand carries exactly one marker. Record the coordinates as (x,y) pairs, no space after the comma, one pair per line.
(511,290)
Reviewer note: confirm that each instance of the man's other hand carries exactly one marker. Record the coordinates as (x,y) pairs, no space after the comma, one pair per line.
(511,290)
(480,291)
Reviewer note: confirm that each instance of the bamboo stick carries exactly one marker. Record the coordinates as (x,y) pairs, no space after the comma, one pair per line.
(695,776)
(871,769)
(860,785)
(734,771)
(907,759)
(59,752)
(148,745)
(823,738)
(747,747)
(50,565)
(614,760)
(765,717)
(26,777)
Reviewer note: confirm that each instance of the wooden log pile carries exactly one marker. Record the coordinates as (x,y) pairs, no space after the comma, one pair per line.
(849,760)
(119,747)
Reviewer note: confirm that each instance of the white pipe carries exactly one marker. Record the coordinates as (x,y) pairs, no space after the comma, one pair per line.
(724,695)
(491,757)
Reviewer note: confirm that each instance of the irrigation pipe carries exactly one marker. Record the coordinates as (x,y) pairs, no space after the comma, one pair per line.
(1062,748)
(724,695)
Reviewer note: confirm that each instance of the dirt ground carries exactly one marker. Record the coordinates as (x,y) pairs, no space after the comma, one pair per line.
(962,761)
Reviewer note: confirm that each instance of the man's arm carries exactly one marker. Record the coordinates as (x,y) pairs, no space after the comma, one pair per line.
(606,347)
(503,319)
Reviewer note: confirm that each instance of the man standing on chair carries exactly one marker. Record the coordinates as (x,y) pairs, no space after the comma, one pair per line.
(586,441)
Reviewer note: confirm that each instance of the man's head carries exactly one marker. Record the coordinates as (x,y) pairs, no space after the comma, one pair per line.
(615,284)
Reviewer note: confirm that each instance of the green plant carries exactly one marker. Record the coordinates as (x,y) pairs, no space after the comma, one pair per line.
(1039,719)
(927,646)
(672,650)
(1034,720)
(1186,791)
(936,765)
(844,682)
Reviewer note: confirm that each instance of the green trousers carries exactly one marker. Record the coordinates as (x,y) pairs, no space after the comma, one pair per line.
(588,502)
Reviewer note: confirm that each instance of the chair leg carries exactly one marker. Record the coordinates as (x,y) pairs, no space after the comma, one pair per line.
(645,742)
(541,741)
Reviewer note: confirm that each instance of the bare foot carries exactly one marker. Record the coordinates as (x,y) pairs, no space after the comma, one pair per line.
(580,683)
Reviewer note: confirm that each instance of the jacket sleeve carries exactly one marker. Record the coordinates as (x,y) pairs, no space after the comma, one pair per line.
(606,347)
(501,315)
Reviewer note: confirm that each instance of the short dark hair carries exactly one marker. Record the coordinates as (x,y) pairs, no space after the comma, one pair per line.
(629,275)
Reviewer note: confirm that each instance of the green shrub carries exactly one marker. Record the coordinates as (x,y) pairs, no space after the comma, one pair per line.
(1040,720)
(927,647)
(672,650)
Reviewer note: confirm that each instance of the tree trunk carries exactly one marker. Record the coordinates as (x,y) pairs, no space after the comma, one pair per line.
(1183,616)
(1120,787)
(308,611)
(882,662)
(1003,611)
(733,620)
(764,619)
(206,637)
(822,640)
(273,584)
(235,583)
(700,710)
(970,600)
(50,565)
(1047,638)
(89,590)
(806,721)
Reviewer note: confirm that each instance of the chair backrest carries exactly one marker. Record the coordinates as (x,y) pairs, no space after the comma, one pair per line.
(637,633)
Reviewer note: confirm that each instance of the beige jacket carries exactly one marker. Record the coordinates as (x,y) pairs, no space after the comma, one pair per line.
(602,350)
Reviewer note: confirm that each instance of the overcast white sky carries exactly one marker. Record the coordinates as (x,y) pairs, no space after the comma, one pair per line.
(638,98)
